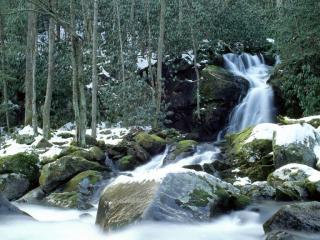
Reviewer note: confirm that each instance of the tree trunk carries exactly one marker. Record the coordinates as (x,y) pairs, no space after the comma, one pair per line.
(2,72)
(94,71)
(120,39)
(160,57)
(152,82)
(87,20)
(30,51)
(47,103)
(34,92)
(77,84)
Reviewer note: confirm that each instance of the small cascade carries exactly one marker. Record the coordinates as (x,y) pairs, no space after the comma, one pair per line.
(257,106)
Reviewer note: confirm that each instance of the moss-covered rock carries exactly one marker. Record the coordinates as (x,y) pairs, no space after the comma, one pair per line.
(25,139)
(13,185)
(182,149)
(63,169)
(296,182)
(251,156)
(73,185)
(65,135)
(178,197)
(93,154)
(43,143)
(21,163)
(127,163)
(63,200)
(259,191)
(313,121)
(152,143)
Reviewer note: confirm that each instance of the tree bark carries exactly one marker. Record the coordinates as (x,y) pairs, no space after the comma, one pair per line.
(94,71)
(160,58)
(34,90)
(48,98)
(30,51)
(2,72)
(78,97)
(120,39)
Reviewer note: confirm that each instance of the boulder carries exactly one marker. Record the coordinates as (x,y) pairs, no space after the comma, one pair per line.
(127,163)
(13,185)
(259,191)
(25,139)
(35,196)
(180,150)
(8,210)
(43,143)
(296,143)
(303,217)
(21,163)
(93,154)
(75,183)
(62,170)
(177,197)
(152,143)
(284,235)
(296,182)
(63,200)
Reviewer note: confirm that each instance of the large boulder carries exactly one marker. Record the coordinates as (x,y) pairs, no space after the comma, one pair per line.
(8,210)
(303,217)
(62,170)
(21,163)
(13,185)
(250,152)
(296,182)
(177,197)
(296,143)
(182,149)
(152,143)
(220,92)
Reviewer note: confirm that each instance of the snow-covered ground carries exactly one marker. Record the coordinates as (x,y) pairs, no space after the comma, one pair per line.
(59,139)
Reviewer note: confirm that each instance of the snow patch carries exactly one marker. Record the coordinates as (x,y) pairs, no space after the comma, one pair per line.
(263,131)
(242,181)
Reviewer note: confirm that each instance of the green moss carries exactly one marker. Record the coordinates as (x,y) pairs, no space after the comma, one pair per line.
(92,176)
(65,135)
(127,163)
(199,198)
(150,142)
(185,146)
(23,163)
(237,140)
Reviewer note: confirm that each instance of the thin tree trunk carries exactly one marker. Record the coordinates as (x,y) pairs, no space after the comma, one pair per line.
(34,90)
(31,38)
(160,57)
(47,103)
(2,70)
(87,20)
(120,40)
(77,78)
(94,71)
(152,82)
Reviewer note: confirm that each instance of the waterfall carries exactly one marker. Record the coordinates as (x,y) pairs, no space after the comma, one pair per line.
(257,106)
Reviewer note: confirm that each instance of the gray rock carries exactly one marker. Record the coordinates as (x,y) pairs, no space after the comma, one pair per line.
(179,197)
(304,217)
(13,185)
(8,210)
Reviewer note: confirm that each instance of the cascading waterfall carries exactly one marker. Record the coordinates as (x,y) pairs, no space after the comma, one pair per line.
(257,106)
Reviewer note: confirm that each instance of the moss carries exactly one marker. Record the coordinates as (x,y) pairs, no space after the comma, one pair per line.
(150,142)
(64,200)
(185,146)
(65,135)
(92,176)
(25,139)
(97,154)
(237,140)
(23,163)
(127,163)
(199,198)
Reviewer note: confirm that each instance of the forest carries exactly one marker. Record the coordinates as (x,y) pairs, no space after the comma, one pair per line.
(160,119)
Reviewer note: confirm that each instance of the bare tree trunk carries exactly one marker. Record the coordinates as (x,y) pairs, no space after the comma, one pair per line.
(87,20)
(160,57)
(94,71)
(152,82)
(77,84)
(120,39)
(47,103)
(34,90)
(2,72)
(31,38)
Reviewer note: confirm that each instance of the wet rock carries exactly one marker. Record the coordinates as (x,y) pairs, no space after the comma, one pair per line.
(304,217)
(63,169)
(13,185)
(178,197)
(152,143)
(8,210)
(283,235)
(296,182)
(33,197)
(180,150)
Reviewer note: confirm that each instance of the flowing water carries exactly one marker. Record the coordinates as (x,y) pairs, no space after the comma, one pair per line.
(257,106)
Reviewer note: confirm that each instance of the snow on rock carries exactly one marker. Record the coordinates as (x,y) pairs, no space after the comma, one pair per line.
(296,172)
(242,181)
(263,131)
(296,133)
(188,57)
